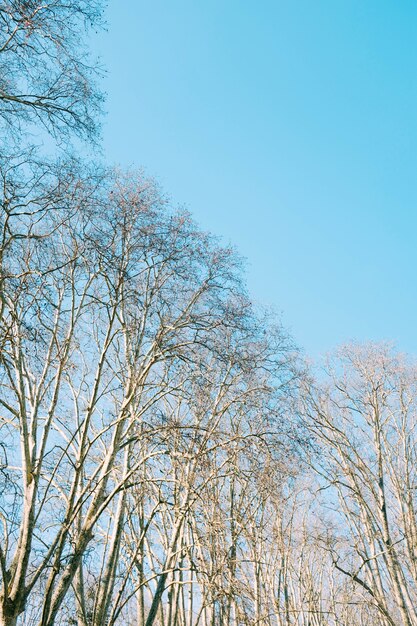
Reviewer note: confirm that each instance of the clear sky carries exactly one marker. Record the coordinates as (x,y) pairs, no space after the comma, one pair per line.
(289,128)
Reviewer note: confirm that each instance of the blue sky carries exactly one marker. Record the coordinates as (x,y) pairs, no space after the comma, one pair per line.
(289,128)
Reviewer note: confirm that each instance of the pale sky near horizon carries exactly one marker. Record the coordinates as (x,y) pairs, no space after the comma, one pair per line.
(289,129)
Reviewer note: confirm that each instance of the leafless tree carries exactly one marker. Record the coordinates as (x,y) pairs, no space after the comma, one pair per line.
(113,307)
(46,77)
(365,420)
(154,469)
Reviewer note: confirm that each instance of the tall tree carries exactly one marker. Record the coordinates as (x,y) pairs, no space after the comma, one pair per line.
(47,79)
(113,304)
(364,421)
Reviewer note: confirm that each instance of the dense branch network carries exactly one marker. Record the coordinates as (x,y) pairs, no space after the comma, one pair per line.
(165,457)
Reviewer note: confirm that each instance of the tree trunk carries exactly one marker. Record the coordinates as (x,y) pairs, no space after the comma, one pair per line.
(7,617)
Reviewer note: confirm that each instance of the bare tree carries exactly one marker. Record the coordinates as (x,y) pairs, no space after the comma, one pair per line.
(46,77)
(364,421)
(114,307)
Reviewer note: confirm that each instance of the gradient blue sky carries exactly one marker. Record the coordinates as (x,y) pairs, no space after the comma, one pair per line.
(289,128)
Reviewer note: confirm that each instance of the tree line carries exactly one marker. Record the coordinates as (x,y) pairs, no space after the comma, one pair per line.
(167,458)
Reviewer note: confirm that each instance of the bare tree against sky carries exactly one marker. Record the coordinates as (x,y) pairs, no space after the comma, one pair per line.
(47,78)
